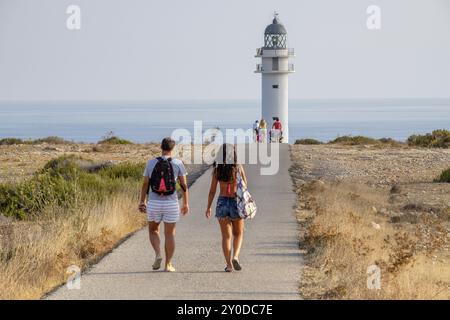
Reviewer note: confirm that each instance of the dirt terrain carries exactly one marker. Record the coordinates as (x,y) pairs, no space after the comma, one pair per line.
(369,205)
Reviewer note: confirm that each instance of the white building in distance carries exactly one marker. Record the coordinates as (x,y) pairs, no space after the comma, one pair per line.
(275,68)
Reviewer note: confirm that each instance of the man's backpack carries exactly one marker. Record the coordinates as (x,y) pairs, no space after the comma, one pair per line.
(162,180)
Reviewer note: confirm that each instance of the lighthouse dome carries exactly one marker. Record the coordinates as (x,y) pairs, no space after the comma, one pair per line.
(275,35)
(275,28)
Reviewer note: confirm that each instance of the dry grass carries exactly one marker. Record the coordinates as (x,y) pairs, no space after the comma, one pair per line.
(35,253)
(345,233)
(38,253)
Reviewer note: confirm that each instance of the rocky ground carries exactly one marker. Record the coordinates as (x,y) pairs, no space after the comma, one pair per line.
(389,189)
(372,165)
(409,172)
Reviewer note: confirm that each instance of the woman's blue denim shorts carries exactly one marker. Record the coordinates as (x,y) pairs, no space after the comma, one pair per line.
(227,208)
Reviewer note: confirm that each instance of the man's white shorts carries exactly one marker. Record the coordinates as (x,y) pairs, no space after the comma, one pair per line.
(165,211)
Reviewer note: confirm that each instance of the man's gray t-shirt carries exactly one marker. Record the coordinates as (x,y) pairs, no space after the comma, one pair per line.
(178,170)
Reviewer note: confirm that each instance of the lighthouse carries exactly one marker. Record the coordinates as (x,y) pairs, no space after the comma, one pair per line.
(275,69)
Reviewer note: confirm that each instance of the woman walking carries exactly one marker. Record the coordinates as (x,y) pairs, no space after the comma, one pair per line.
(262,130)
(231,224)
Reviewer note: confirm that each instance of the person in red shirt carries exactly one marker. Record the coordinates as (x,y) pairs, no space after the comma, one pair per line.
(278,127)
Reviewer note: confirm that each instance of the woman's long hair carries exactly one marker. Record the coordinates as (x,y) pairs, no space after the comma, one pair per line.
(263,124)
(226,171)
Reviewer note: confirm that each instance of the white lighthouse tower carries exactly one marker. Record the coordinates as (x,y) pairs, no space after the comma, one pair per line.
(275,68)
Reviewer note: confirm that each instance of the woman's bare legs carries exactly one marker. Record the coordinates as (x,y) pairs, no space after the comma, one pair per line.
(238,235)
(225,228)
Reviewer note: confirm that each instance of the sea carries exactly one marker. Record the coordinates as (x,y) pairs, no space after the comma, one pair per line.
(150,121)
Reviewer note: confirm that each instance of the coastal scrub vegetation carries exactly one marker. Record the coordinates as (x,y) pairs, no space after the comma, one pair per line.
(366,210)
(12,141)
(49,140)
(66,182)
(436,139)
(444,177)
(70,212)
(362,140)
(308,141)
(346,237)
(110,139)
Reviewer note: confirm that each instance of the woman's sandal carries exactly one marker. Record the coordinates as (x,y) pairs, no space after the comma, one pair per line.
(236,265)
(228,270)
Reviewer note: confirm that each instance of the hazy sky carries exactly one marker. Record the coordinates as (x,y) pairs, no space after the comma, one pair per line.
(204,49)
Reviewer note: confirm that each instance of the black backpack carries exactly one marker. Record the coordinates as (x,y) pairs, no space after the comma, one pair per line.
(162,180)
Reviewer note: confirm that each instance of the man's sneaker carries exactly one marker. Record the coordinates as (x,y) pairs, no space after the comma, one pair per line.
(157,264)
(170,268)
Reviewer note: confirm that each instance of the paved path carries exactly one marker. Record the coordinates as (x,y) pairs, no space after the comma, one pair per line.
(270,255)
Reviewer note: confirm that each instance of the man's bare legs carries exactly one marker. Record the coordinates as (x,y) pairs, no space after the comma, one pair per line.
(169,246)
(153,231)
(225,228)
(169,241)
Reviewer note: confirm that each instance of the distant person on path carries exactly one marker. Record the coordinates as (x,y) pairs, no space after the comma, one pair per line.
(159,199)
(262,130)
(256,131)
(277,130)
(231,224)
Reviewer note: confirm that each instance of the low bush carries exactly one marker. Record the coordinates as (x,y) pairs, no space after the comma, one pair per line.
(436,139)
(124,171)
(308,141)
(11,141)
(444,177)
(114,140)
(66,182)
(354,140)
(51,140)
(362,140)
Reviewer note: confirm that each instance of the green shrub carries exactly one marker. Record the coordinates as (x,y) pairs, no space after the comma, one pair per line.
(64,164)
(114,140)
(124,170)
(436,139)
(389,141)
(308,141)
(32,196)
(444,177)
(356,140)
(51,140)
(11,141)
(362,140)
(66,182)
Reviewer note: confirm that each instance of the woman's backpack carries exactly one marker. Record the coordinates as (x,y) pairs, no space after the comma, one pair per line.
(162,180)
(245,203)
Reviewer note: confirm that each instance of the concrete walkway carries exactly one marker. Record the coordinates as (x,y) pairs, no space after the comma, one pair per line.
(270,256)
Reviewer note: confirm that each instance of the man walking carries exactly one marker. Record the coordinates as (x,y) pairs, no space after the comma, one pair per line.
(159,199)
